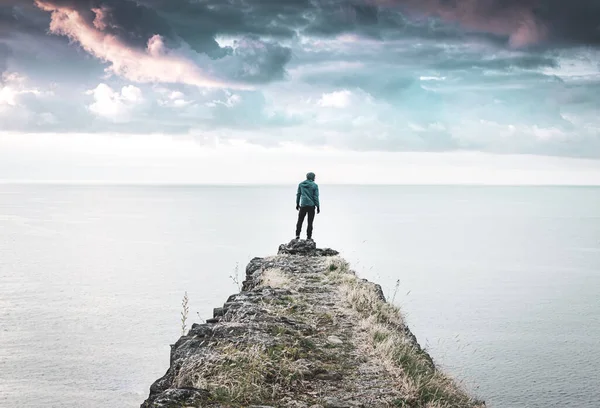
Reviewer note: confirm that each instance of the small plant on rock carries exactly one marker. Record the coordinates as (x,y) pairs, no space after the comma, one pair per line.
(184,314)
(236,276)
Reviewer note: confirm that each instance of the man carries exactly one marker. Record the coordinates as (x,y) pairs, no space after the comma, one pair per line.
(307,200)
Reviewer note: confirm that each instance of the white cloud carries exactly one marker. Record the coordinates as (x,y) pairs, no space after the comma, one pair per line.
(175,99)
(231,101)
(12,86)
(576,66)
(132,94)
(115,105)
(432,78)
(338,99)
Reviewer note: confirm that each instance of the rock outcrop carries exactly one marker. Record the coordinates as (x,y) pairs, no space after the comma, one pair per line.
(304,332)
(304,248)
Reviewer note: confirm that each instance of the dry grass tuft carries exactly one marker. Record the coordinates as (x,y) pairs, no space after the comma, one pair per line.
(275,278)
(244,374)
(337,263)
(423,384)
(337,270)
(365,299)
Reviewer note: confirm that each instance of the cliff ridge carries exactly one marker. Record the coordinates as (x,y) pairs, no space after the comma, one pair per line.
(304,332)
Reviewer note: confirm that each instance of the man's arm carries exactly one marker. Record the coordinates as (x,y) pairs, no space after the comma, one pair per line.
(317,199)
(298,194)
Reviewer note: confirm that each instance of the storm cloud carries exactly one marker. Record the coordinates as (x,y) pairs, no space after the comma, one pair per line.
(522,22)
(4,53)
(506,76)
(140,45)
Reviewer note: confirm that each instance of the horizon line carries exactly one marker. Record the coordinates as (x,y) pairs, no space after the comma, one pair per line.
(278,184)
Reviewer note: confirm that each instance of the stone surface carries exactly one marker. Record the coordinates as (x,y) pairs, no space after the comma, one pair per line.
(175,398)
(304,248)
(334,340)
(337,403)
(329,376)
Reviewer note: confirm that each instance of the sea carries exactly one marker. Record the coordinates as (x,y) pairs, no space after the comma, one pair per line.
(500,284)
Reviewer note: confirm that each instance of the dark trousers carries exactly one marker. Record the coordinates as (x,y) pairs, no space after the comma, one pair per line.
(301,215)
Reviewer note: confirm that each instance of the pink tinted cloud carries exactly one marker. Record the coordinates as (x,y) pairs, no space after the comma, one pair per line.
(156,63)
(517,21)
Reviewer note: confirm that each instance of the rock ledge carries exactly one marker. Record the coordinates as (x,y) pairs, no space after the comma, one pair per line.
(304,332)
(304,248)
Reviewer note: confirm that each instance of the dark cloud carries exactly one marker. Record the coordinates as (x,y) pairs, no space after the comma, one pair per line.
(4,54)
(133,23)
(179,24)
(6,20)
(417,70)
(197,24)
(522,22)
(258,61)
(22,17)
(573,22)
(6,23)
(26,48)
(524,61)
(207,18)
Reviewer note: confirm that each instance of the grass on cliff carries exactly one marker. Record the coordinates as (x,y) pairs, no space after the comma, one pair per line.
(383,323)
(245,374)
(275,278)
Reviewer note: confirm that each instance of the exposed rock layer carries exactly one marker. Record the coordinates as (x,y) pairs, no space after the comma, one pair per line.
(304,332)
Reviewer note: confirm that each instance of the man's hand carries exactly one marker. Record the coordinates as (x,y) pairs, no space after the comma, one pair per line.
(297,207)
(318,210)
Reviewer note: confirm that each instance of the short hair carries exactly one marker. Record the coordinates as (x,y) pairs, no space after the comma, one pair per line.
(310,176)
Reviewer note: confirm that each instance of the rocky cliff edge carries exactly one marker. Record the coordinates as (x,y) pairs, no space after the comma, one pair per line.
(304,332)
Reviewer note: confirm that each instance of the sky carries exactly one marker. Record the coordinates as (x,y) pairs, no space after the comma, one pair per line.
(262,91)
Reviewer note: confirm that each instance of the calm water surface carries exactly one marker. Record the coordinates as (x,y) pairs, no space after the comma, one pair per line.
(501,284)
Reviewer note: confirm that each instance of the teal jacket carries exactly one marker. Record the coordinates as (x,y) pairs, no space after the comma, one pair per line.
(308,194)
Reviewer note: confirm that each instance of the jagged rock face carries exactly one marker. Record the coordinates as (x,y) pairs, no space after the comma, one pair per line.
(304,248)
(302,333)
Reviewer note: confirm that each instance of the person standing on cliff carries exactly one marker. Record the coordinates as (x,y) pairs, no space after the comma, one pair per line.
(307,201)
